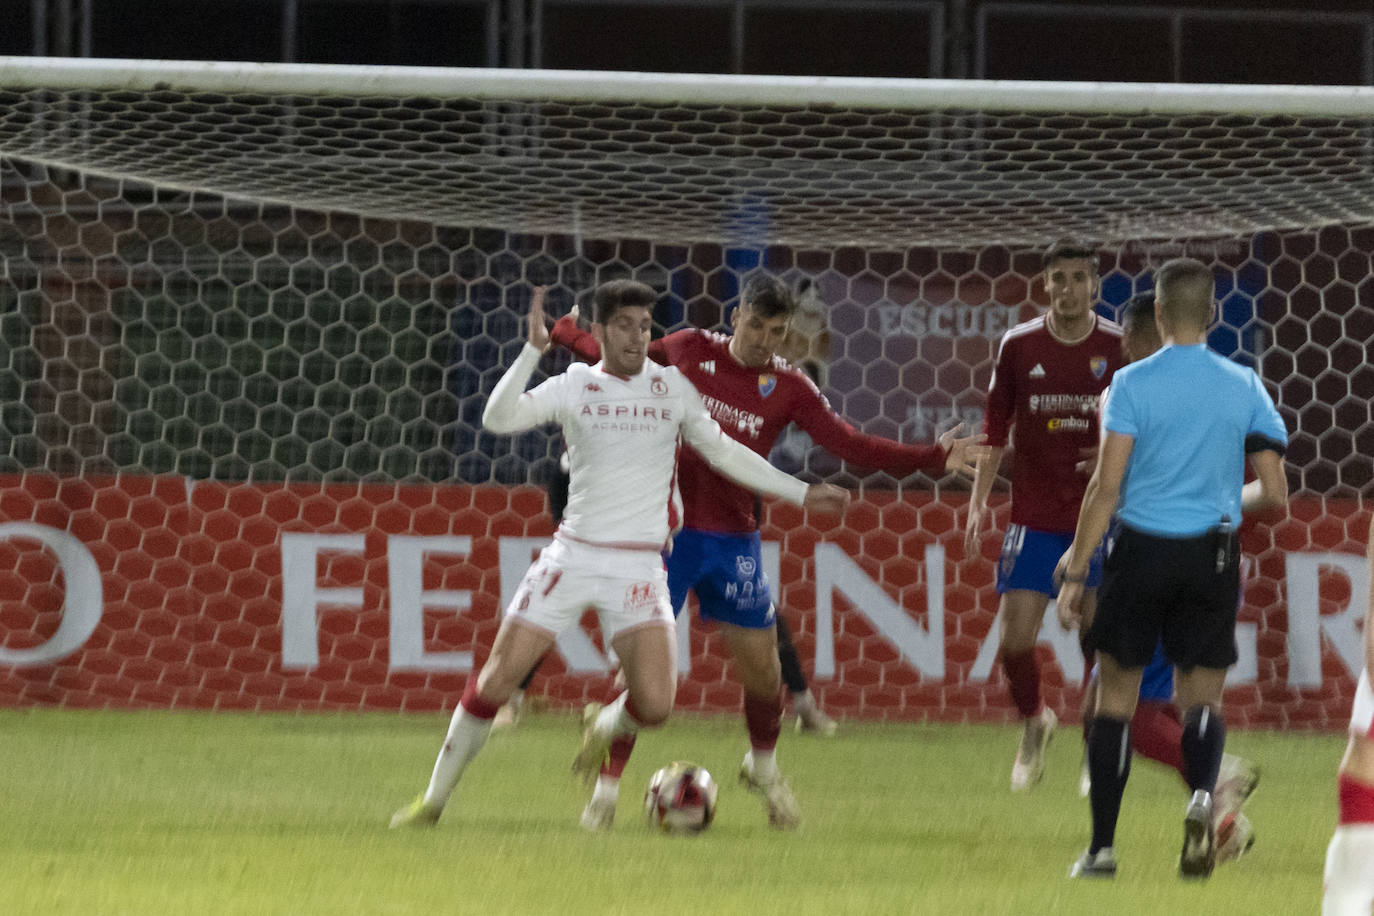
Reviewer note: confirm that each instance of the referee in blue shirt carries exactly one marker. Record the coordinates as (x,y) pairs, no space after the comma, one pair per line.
(1178,426)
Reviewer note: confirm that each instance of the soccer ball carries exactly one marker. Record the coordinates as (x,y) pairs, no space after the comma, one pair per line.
(681,798)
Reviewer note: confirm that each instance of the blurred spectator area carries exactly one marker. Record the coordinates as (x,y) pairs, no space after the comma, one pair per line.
(1330,42)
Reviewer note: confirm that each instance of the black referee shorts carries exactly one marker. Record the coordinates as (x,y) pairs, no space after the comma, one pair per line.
(1157,589)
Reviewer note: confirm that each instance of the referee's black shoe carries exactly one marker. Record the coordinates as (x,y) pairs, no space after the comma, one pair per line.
(1199,853)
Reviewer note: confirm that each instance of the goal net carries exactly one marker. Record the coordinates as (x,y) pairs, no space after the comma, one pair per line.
(247,274)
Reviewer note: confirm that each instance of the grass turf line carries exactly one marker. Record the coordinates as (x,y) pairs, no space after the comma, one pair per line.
(181,812)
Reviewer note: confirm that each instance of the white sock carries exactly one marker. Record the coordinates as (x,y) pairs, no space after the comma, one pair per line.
(607,789)
(466,735)
(517,698)
(1349,877)
(803,702)
(764,765)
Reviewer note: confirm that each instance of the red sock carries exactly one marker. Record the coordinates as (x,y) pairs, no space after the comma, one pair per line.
(1356,800)
(475,704)
(763,718)
(1023,680)
(618,755)
(1157,733)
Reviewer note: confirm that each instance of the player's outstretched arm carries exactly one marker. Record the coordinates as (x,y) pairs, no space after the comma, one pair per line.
(832,432)
(733,459)
(984,475)
(962,453)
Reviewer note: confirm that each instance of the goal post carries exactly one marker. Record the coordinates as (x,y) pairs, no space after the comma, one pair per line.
(245,301)
(832,160)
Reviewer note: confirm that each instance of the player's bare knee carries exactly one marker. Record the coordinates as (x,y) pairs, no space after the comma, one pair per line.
(653,710)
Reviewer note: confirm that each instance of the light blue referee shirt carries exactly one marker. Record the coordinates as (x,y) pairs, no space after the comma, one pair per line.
(1194,416)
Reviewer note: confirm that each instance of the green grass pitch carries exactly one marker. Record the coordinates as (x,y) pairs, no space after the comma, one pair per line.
(112,813)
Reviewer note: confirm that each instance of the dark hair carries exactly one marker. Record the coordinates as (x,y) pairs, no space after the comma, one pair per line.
(1139,308)
(1068,250)
(1186,290)
(767,297)
(615,295)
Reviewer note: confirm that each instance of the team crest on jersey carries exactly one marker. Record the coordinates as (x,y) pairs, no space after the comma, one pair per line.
(1098,365)
(639,597)
(767,382)
(658,386)
(744,567)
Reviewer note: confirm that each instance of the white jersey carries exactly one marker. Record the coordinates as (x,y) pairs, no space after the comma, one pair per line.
(622,436)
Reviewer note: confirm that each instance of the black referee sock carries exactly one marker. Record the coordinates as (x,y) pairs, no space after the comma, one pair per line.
(1204,741)
(1109,764)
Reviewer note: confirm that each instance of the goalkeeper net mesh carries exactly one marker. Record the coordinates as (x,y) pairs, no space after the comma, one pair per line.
(254,272)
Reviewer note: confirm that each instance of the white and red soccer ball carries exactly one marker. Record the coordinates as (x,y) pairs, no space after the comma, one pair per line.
(681,798)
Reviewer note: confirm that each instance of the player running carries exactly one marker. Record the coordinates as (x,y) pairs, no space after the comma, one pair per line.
(622,422)
(1049,374)
(754,395)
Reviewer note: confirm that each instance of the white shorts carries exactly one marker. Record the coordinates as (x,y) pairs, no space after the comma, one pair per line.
(1362,713)
(627,588)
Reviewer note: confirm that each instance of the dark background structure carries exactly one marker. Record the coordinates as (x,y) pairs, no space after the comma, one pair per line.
(1231,41)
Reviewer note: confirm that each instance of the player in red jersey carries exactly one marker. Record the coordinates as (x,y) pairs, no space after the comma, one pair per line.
(753,395)
(1049,374)
(1349,876)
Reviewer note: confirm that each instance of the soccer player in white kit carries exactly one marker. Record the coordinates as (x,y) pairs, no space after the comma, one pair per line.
(1349,878)
(622,422)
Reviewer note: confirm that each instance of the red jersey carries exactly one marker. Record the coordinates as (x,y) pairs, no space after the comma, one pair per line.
(753,406)
(1049,391)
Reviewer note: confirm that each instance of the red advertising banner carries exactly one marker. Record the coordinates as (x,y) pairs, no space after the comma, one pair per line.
(163,592)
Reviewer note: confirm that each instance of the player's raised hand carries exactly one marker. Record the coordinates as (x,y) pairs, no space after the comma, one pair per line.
(538,330)
(963,452)
(828,498)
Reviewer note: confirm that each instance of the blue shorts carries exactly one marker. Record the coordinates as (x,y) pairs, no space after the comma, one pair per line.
(1157,680)
(1029,557)
(726,572)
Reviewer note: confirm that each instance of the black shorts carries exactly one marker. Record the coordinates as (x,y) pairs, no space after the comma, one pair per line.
(1169,590)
